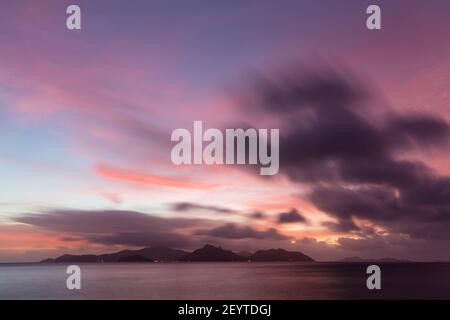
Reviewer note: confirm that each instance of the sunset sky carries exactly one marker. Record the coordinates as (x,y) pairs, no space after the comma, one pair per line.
(86,118)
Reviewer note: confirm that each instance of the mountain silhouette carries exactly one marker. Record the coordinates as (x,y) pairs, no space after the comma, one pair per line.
(279,255)
(151,254)
(359,259)
(352,259)
(74,258)
(245,254)
(208,253)
(135,258)
(211,253)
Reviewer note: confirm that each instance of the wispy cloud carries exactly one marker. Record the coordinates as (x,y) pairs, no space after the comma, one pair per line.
(191,206)
(233,231)
(132,176)
(292,216)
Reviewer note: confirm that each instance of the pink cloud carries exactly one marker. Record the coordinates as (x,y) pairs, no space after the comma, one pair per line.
(130,176)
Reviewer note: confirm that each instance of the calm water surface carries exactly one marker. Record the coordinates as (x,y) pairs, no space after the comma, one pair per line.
(225,281)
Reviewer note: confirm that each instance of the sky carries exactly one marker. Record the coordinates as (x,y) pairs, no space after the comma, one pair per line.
(86,118)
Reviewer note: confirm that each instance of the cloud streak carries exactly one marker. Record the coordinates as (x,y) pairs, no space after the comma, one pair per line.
(136,177)
(233,231)
(132,228)
(292,216)
(191,206)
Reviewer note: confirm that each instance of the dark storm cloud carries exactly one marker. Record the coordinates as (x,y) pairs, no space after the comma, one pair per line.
(385,171)
(366,202)
(97,221)
(258,215)
(298,89)
(142,239)
(418,129)
(431,192)
(343,225)
(324,125)
(355,163)
(188,206)
(115,226)
(132,228)
(291,216)
(233,231)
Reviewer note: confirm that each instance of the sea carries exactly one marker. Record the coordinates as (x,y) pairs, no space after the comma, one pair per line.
(229,281)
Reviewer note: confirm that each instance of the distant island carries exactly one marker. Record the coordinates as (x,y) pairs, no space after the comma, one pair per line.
(359,259)
(279,255)
(208,253)
(211,253)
